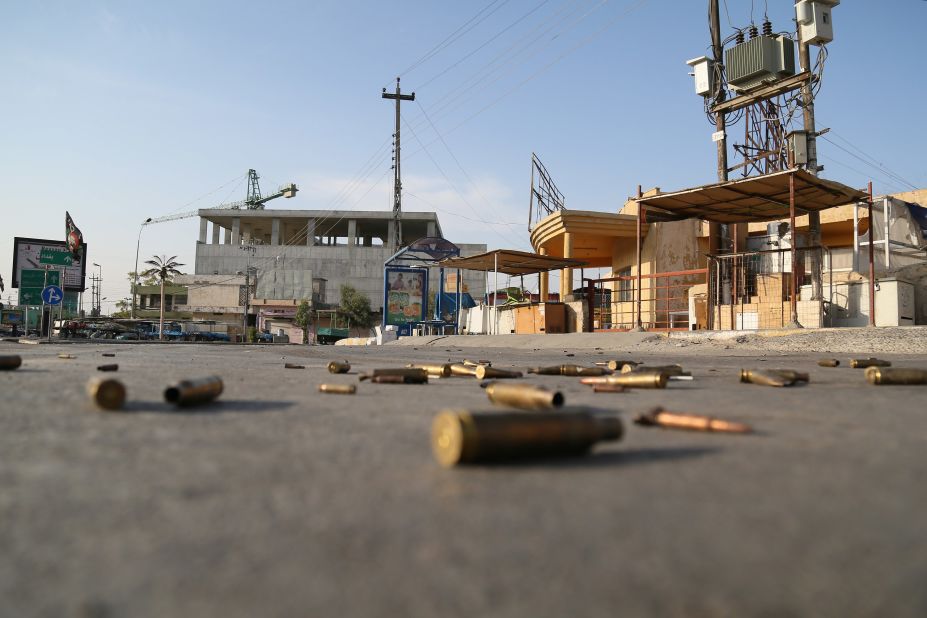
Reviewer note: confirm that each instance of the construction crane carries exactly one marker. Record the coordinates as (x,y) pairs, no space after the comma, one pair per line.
(252,201)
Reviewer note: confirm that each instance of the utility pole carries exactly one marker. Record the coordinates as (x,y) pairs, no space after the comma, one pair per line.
(397,175)
(244,320)
(814,218)
(719,231)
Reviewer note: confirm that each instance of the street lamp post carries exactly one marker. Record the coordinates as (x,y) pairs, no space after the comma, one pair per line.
(99,288)
(137,245)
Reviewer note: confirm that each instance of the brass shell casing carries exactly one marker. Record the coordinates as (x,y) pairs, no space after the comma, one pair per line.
(523,396)
(8,362)
(882,375)
(399,379)
(435,371)
(482,372)
(113,367)
(790,374)
(339,367)
(65,355)
(670,370)
(643,379)
(107,393)
(692,422)
(463,370)
(569,370)
(829,362)
(765,378)
(338,389)
(476,363)
(194,392)
(617,365)
(862,363)
(461,437)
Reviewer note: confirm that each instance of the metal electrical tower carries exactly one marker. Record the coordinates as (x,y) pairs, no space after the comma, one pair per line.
(397,175)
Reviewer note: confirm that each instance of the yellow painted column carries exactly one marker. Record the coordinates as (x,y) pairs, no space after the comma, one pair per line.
(566,275)
(543,281)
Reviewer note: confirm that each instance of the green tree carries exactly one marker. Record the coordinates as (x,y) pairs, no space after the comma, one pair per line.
(163,269)
(355,307)
(303,318)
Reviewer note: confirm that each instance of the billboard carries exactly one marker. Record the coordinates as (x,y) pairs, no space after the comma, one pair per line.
(405,295)
(36,254)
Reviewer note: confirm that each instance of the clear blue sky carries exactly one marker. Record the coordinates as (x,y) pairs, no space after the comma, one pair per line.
(117,111)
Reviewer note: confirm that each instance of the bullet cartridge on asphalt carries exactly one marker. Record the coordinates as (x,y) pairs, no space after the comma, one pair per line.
(397,379)
(434,371)
(649,379)
(523,396)
(339,367)
(111,367)
(829,362)
(669,370)
(693,422)
(462,437)
(884,375)
(8,362)
(862,363)
(766,378)
(463,370)
(617,365)
(482,372)
(107,393)
(569,370)
(338,389)
(194,392)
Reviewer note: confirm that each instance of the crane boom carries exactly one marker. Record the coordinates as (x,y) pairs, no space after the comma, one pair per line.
(253,201)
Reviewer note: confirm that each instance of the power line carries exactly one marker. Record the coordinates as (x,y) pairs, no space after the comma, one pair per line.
(890,173)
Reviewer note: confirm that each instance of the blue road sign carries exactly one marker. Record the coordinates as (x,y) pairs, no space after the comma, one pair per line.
(52,295)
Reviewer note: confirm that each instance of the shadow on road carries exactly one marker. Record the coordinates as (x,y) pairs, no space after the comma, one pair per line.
(227,406)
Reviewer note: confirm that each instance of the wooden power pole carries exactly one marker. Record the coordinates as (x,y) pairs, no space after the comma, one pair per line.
(397,174)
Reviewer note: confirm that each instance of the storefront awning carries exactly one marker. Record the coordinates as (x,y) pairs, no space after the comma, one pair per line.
(510,262)
(760,198)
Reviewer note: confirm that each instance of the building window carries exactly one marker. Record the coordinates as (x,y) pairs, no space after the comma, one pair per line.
(625,286)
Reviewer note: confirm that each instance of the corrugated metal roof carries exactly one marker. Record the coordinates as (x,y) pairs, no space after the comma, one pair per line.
(510,262)
(761,198)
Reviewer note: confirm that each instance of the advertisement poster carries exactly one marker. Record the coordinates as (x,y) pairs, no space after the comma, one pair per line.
(406,295)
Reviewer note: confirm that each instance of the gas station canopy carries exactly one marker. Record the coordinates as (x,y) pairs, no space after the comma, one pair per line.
(760,198)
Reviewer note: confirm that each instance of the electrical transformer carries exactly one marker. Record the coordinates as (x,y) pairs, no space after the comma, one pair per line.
(759,60)
(814,21)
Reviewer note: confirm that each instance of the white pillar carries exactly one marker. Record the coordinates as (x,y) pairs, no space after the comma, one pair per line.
(204,223)
(215,233)
(275,231)
(236,230)
(310,233)
(352,232)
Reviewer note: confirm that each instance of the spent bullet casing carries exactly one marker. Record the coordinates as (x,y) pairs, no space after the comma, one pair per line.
(463,370)
(692,422)
(523,396)
(649,379)
(8,362)
(829,362)
(863,363)
(194,392)
(461,437)
(476,363)
(112,367)
(766,378)
(398,379)
(107,393)
(339,367)
(338,389)
(435,371)
(883,375)
(482,372)
(569,370)
(65,355)
(617,365)
(669,370)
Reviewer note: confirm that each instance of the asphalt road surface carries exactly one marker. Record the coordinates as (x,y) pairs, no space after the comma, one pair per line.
(280,501)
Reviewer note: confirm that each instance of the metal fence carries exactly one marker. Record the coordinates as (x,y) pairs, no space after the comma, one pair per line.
(661,304)
(753,290)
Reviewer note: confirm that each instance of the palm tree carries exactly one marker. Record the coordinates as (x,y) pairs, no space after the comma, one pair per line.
(163,268)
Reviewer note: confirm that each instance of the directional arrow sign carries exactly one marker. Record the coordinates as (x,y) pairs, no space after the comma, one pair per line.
(58,258)
(52,295)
